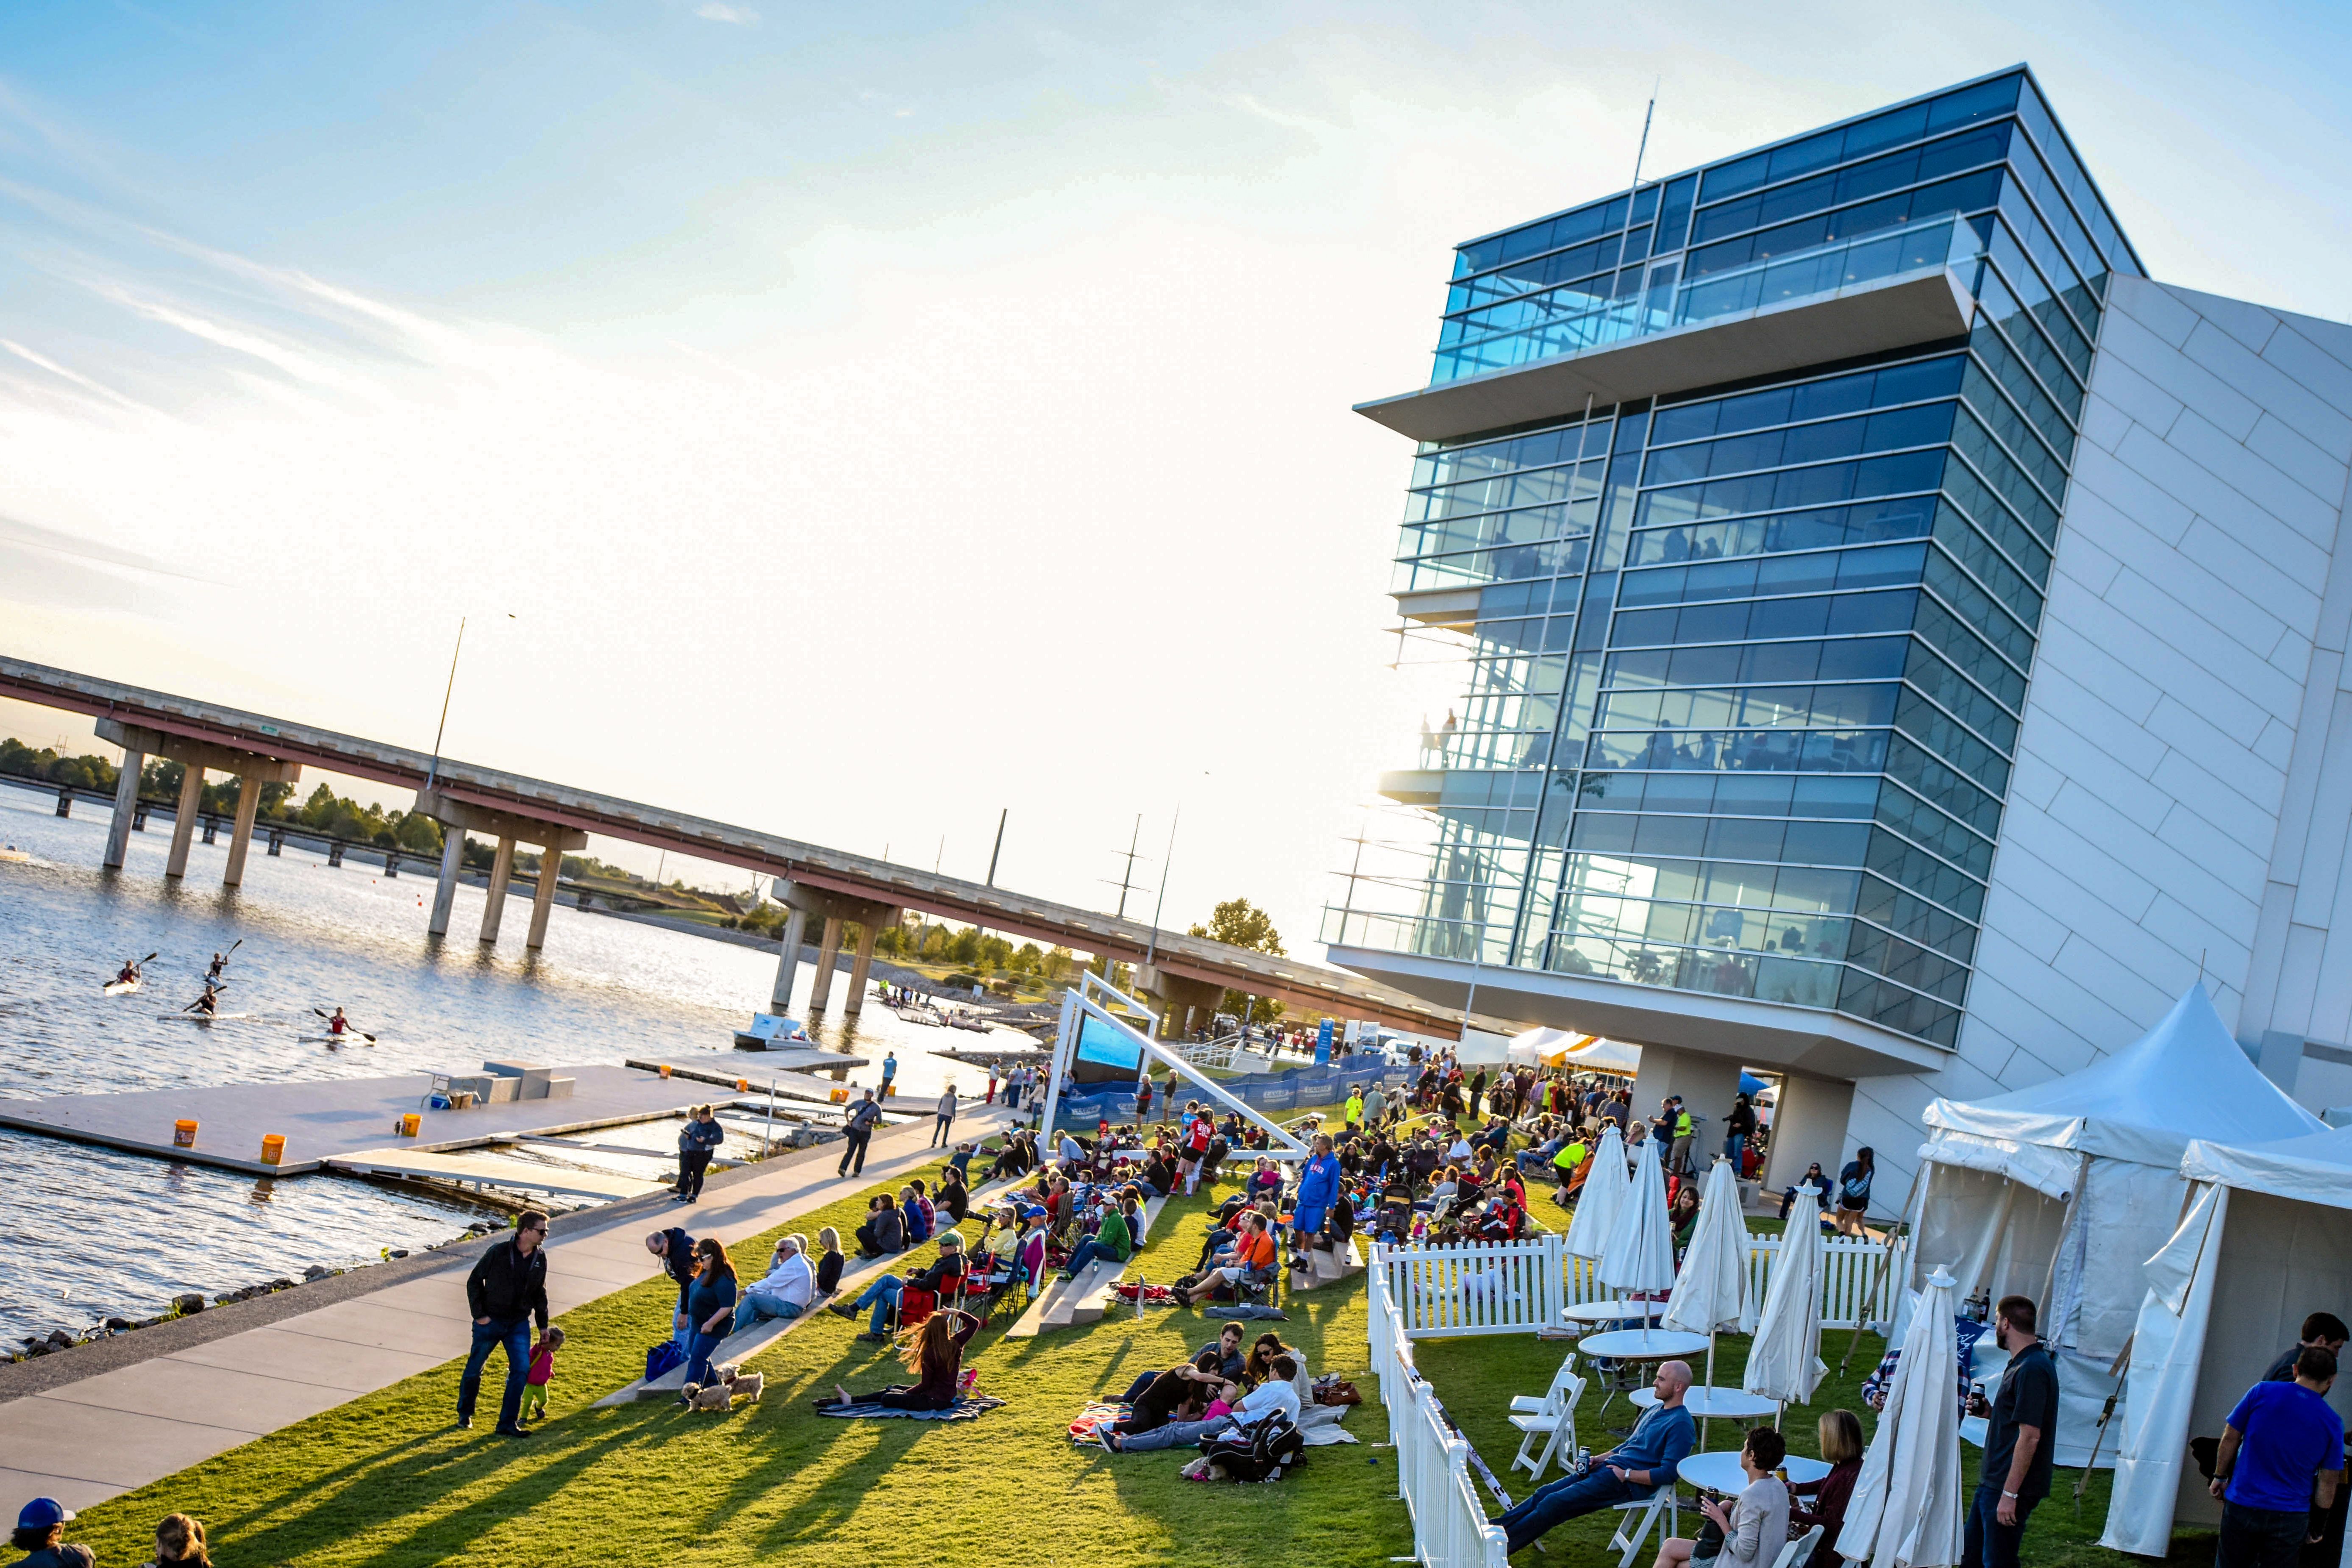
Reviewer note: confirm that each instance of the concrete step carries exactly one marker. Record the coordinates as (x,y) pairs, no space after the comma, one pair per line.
(1330,1266)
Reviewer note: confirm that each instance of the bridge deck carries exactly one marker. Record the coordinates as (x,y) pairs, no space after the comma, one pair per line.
(1306,985)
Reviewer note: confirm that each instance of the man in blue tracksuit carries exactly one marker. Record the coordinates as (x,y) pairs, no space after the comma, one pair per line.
(1318,1188)
(1630,1472)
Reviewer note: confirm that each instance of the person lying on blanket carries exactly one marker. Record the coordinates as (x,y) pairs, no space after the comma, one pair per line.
(933,1351)
(1277,1392)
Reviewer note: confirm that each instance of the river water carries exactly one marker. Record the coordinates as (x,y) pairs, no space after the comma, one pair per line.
(86,1232)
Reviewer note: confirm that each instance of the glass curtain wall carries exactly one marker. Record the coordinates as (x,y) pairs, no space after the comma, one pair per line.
(1741,693)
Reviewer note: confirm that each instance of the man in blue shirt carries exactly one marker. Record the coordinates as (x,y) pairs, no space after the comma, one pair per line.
(1630,1472)
(2277,1468)
(2020,1440)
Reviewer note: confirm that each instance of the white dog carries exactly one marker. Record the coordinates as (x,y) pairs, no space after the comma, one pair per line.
(745,1385)
(715,1397)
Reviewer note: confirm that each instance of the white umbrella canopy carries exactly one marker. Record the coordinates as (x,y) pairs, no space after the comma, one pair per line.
(1906,1509)
(1604,1195)
(1711,1292)
(1640,1252)
(1785,1361)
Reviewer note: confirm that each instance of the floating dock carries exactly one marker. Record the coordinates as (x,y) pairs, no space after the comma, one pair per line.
(335,1120)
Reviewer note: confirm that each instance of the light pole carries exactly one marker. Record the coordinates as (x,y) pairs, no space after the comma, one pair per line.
(432,770)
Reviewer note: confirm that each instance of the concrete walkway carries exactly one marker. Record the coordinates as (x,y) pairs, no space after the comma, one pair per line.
(84,1441)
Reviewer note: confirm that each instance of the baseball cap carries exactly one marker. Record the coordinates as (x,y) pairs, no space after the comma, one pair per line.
(42,1512)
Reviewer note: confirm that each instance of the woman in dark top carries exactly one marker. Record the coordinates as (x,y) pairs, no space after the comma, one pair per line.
(884,1230)
(710,1306)
(934,1354)
(1841,1435)
(829,1263)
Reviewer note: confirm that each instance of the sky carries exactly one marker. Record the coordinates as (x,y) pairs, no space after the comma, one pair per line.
(856,422)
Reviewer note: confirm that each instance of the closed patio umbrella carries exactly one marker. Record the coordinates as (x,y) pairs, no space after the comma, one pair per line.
(1604,1195)
(1785,1361)
(1639,1255)
(1905,1509)
(1711,1292)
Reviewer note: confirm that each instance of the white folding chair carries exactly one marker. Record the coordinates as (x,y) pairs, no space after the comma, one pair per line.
(1639,1516)
(1799,1550)
(1544,1422)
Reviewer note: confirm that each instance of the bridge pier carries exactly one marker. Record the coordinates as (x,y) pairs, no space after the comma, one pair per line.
(828,955)
(128,814)
(501,871)
(251,769)
(788,962)
(1181,999)
(184,821)
(459,817)
(445,891)
(836,910)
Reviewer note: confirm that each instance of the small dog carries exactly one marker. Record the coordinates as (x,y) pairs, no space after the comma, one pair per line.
(715,1397)
(746,1384)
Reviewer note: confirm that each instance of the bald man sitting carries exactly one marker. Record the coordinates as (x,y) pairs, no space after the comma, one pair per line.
(1628,1473)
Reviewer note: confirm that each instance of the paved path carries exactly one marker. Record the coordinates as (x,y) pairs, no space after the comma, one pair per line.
(85,1441)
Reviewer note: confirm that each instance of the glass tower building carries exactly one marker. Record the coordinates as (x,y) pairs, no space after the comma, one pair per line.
(1731,522)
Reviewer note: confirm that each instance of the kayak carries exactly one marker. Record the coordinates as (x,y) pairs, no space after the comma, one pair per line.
(329,1039)
(118,987)
(214,1017)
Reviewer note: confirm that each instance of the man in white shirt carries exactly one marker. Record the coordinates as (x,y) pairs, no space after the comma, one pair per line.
(787,1290)
(1279,1391)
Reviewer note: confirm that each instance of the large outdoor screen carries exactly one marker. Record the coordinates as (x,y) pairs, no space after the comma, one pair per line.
(1105,1053)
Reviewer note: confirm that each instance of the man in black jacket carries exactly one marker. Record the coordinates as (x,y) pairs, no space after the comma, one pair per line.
(506,1290)
(855,1133)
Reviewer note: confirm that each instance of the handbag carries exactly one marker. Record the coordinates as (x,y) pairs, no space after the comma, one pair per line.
(663,1358)
(1337,1391)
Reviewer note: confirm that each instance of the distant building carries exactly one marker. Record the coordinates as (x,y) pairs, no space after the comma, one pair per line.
(1901,645)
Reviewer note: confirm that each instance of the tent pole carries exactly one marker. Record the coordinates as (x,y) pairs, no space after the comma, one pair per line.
(2065,1229)
(1918,1175)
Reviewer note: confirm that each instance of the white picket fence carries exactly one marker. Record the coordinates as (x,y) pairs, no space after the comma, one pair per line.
(1518,1286)
(1450,1529)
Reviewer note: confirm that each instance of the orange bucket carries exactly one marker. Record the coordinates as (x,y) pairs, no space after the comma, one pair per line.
(742,1086)
(838,1096)
(665,1072)
(410,1123)
(273,1148)
(183,1134)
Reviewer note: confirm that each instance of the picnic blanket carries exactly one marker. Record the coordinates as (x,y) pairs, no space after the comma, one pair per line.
(969,1407)
(1248,1313)
(1096,1413)
(1153,1295)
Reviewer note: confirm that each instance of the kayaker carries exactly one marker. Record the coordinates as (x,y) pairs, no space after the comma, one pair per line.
(209,1003)
(219,963)
(338,1024)
(127,974)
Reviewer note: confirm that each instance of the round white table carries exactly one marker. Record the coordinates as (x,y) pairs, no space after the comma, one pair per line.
(1703,1400)
(1642,1344)
(1720,1472)
(1610,1312)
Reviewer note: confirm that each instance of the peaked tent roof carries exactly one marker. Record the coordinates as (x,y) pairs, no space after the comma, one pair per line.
(2315,1168)
(2184,1080)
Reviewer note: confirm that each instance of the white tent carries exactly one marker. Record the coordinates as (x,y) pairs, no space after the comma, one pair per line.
(1603,1196)
(2264,1242)
(2060,1191)
(1577,1052)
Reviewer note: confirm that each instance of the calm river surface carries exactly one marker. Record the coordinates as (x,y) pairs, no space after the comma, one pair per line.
(87,1232)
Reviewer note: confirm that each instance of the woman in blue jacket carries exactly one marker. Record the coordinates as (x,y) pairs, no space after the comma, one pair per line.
(1318,1187)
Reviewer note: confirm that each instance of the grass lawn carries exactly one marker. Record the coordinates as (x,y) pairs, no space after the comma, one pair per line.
(1475,1377)
(385,1480)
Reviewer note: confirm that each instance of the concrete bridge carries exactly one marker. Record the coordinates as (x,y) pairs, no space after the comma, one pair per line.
(1186,974)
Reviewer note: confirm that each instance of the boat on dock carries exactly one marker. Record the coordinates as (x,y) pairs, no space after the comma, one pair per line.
(915,1013)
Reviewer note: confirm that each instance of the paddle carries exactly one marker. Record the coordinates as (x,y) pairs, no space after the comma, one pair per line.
(363,1034)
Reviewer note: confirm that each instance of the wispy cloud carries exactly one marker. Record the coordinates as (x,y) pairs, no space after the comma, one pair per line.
(76,377)
(719,11)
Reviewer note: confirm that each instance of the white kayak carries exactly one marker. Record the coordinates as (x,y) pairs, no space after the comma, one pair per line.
(214,1017)
(350,1037)
(120,987)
